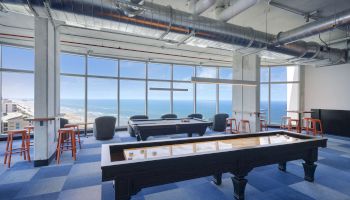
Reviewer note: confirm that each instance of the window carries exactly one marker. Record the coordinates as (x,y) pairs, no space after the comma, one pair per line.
(159,71)
(72,98)
(102,98)
(158,100)
(182,72)
(279,91)
(206,100)
(225,73)
(17,58)
(183,100)
(132,99)
(72,63)
(102,66)
(225,99)
(206,72)
(132,69)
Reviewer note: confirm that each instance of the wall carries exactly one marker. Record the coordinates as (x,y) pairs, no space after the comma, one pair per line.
(327,87)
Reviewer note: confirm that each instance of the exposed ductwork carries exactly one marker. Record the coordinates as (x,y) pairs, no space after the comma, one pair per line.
(224,14)
(313,28)
(163,22)
(199,6)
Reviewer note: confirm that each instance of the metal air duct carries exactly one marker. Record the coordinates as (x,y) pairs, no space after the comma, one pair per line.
(313,28)
(164,22)
(225,14)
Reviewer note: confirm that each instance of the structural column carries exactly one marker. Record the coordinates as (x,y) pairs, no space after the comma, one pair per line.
(46,95)
(246,99)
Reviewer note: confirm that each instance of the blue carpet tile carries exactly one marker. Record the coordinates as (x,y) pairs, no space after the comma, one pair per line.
(81,179)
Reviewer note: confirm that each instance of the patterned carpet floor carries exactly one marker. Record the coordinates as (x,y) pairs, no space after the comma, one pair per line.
(81,179)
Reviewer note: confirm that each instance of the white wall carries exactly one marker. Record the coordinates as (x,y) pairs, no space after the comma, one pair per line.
(327,87)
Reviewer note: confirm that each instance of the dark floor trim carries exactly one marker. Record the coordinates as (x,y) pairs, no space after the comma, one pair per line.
(46,162)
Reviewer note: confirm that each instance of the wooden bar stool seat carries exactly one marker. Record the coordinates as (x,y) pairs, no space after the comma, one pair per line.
(66,142)
(244,123)
(263,125)
(9,146)
(232,122)
(77,131)
(285,122)
(316,127)
(291,126)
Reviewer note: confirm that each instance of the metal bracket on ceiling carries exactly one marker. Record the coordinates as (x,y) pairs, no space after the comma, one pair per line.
(170,23)
(192,33)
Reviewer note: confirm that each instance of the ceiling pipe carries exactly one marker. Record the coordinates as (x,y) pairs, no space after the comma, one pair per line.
(199,6)
(225,14)
(156,18)
(313,28)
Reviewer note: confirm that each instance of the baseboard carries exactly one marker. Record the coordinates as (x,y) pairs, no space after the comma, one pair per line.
(46,162)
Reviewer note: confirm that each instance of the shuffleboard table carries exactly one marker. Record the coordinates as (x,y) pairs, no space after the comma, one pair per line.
(153,127)
(133,166)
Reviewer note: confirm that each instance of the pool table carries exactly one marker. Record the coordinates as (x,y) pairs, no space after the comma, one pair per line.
(137,165)
(153,127)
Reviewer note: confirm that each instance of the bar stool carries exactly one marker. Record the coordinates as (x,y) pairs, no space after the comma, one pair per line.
(306,124)
(284,122)
(244,123)
(315,123)
(66,142)
(263,125)
(77,131)
(291,126)
(233,125)
(30,129)
(23,149)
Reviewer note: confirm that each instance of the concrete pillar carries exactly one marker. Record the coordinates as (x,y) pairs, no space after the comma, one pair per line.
(247,98)
(46,95)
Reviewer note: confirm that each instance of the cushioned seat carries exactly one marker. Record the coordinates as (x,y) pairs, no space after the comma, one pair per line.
(169,116)
(196,115)
(104,127)
(135,117)
(219,123)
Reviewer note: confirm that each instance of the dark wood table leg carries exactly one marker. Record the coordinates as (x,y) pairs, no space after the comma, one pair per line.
(217,178)
(282,166)
(239,184)
(121,190)
(309,170)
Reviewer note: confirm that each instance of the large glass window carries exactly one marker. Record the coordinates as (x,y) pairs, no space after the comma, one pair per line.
(132,99)
(159,71)
(279,91)
(132,69)
(17,100)
(225,73)
(102,98)
(206,72)
(73,98)
(206,100)
(183,100)
(158,99)
(102,66)
(17,58)
(225,99)
(182,72)
(72,63)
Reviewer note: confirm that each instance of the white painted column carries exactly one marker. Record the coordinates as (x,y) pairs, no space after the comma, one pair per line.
(247,98)
(46,93)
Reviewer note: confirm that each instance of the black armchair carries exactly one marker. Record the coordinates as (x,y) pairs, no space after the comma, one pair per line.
(104,127)
(135,117)
(169,116)
(196,115)
(219,123)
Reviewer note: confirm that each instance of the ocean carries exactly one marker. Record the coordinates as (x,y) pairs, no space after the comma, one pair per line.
(74,108)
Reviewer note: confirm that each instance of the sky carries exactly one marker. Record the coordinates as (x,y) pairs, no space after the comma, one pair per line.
(15,85)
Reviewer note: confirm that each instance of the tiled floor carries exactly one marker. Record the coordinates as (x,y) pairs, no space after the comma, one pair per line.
(82,179)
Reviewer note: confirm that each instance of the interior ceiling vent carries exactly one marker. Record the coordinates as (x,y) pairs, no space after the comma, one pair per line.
(162,22)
